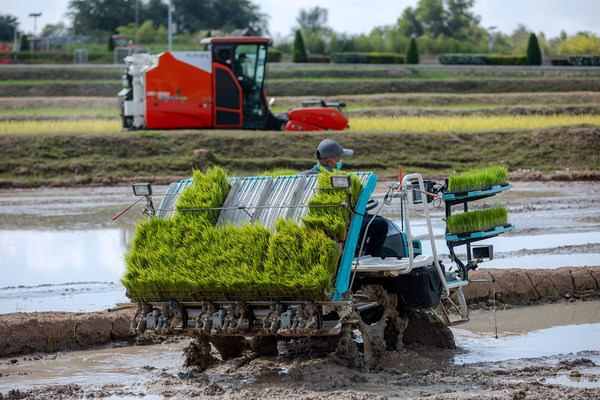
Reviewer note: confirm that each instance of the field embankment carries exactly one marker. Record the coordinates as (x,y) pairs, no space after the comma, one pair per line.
(23,333)
(109,158)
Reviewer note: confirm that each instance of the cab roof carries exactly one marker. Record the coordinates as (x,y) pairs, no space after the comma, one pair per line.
(242,39)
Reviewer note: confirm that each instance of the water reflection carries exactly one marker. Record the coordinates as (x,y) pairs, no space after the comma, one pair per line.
(32,257)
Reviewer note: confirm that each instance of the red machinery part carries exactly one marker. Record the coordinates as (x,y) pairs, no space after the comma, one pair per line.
(317,117)
(293,125)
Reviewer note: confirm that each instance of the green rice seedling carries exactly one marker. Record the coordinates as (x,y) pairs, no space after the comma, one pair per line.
(279,172)
(334,221)
(209,190)
(478,178)
(472,221)
(188,254)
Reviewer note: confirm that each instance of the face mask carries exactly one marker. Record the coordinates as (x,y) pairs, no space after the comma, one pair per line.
(338,165)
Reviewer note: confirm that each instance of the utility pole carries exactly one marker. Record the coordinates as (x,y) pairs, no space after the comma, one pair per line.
(170,25)
(35,17)
(137,20)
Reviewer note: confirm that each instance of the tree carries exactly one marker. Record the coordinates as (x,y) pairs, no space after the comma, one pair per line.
(111,43)
(8,24)
(432,15)
(54,30)
(412,53)
(313,20)
(156,11)
(299,52)
(409,24)
(460,20)
(192,15)
(534,54)
(100,15)
(24,46)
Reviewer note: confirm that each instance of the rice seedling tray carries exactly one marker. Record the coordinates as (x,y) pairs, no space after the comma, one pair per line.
(468,237)
(226,296)
(476,194)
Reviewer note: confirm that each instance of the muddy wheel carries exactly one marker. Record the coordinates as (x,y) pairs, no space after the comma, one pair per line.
(229,346)
(197,353)
(427,329)
(264,345)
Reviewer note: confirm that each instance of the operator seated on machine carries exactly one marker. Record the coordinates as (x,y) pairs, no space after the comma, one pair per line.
(329,157)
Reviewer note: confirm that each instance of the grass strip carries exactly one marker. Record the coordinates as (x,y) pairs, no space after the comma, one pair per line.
(54,111)
(478,220)
(46,81)
(467,123)
(478,178)
(83,126)
(187,253)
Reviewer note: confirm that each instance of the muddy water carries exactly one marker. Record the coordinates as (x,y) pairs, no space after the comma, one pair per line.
(61,251)
(538,332)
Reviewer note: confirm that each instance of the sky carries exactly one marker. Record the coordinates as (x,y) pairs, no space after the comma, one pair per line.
(360,16)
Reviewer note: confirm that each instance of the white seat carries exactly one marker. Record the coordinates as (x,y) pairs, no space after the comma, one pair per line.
(391,265)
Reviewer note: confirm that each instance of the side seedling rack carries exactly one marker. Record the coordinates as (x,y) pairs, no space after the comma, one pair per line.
(463,198)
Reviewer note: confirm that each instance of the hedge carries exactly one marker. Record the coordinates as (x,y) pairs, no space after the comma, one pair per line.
(318,58)
(385,58)
(40,57)
(367,58)
(482,59)
(463,59)
(584,60)
(559,62)
(506,60)
(274,55)
(349,58)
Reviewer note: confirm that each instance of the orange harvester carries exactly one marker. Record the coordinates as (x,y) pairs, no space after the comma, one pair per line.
(222,87)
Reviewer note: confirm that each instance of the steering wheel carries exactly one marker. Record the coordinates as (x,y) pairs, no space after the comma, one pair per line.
(371,204)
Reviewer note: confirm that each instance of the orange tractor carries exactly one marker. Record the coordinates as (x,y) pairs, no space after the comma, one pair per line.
(222,87)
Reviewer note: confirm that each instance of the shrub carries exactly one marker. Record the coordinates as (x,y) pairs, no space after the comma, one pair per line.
(506,60)
(584,60)
(534,54)
(274,55)
(412,53)
(478,178)
(385,58)
(463,59)
(559,62)
(111,43)
(349,58)
(24,46)
(318,58)
(299,52)
(471,221)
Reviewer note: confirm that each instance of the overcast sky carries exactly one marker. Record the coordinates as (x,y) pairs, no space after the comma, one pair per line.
(360,16)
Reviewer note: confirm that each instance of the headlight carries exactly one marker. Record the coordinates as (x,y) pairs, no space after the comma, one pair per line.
(142,189)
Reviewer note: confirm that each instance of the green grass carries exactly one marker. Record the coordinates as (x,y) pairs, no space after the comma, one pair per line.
(54,111)
(45,81)
(477,220)
(478,178)
(187,253)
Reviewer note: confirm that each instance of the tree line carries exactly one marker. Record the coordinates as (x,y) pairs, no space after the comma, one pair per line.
(438,26)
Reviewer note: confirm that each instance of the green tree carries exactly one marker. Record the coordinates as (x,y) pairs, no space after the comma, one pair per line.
(432,15)
(146,32)
(24,46)
(194,15)
(100,15)
(580,44)
(409,24)
(460,21)
(53,30)
(412,53)
(156,11)
(534,54)
(111,43)
(299,52)
(313,20)
(8,24)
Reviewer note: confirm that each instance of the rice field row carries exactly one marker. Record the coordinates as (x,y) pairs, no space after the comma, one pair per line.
(405,123)
(57,111)
(467,123)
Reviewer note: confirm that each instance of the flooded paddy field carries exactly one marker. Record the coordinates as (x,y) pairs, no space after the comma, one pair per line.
(61,251)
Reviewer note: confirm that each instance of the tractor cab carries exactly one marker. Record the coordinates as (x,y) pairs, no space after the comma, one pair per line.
(242,60)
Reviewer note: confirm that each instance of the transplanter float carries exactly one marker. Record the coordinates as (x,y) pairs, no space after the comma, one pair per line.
(401,297)
(222,87)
